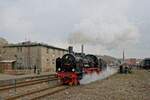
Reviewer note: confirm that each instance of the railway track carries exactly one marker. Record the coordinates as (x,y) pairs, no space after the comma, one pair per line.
(39,93)
(34,93)
(22,80)
(26,83)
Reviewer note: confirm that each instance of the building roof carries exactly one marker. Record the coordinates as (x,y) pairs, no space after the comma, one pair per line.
(7,61)
(32,44)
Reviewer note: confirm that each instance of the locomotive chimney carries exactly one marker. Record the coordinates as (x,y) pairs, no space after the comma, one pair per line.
(82,48)
(70,49)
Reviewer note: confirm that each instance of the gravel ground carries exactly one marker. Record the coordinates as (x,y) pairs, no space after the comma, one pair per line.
(135,86)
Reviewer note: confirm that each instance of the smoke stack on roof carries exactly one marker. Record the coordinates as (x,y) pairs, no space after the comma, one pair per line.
(70,49)
(82,48)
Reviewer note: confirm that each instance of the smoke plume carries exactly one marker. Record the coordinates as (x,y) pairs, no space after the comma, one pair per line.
(104,23)
(100,24)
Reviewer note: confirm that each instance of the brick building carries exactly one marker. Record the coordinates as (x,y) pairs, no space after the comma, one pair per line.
(6,65)
(131,61)
(30,54)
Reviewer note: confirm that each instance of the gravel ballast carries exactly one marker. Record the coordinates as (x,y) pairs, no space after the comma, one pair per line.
(134,86)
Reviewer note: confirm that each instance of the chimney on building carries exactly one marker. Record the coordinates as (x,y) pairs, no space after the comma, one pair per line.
(70,49)
(82,48)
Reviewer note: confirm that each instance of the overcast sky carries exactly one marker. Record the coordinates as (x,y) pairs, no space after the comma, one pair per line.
(104,26)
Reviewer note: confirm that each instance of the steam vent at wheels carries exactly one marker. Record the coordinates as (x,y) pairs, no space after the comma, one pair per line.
(28,55)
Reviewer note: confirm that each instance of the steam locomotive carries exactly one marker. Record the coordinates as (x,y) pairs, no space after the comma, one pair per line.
(72,67)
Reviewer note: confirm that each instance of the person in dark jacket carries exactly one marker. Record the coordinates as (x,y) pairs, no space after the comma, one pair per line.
(35,69)
(121,69)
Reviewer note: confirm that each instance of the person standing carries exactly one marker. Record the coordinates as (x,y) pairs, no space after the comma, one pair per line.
(121,69)
(35,69)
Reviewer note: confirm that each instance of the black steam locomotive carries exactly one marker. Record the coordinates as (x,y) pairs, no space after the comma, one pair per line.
(73,66)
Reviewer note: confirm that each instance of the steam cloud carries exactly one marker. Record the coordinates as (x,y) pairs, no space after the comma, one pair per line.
(93,77)
(104,23)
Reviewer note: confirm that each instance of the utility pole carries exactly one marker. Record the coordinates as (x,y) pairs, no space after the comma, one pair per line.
(123,56)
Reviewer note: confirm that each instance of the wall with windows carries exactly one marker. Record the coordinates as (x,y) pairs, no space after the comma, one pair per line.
(26,57)
(49,56)
(44,58)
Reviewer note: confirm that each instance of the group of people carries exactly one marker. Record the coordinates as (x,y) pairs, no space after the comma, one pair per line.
(124,68)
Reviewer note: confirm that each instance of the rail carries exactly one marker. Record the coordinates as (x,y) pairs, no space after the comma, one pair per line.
(43,92)
(27,83)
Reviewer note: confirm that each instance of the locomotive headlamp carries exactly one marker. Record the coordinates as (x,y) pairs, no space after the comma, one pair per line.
(73,69)
(59,69)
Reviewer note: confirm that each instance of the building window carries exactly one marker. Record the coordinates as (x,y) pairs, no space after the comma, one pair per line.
(15,56)
(53,51)
(53,61)
(59,52)
(19,49)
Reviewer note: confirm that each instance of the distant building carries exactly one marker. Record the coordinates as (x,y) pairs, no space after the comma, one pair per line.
(111,61)
(138,61)
(131,61)
(29,54)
